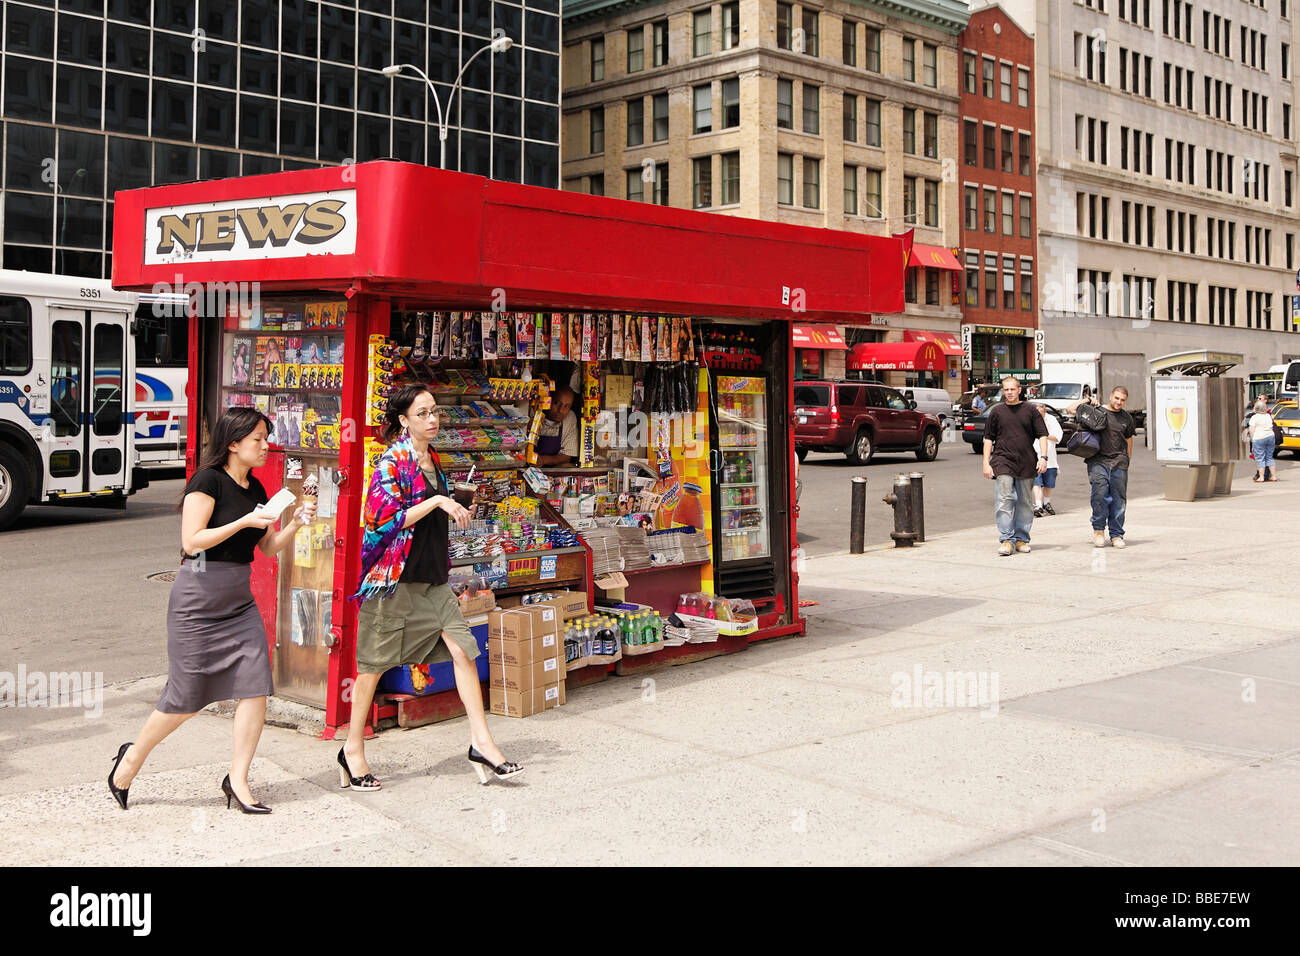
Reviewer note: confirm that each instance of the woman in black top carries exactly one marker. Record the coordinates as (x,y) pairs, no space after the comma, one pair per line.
(216,642)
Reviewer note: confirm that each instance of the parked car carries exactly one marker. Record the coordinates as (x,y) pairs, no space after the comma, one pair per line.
(973,428)
(860,419)
(1286,416)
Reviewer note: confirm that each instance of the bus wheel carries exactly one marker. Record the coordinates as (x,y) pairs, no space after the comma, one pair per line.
(13,486)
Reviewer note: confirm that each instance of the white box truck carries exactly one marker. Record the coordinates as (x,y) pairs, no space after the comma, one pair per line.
(1071,376)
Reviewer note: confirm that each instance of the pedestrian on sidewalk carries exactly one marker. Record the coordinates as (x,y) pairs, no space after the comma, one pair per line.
(1012,435)
(216,642)
(1046,482)
(1108,470)
(1262,442)
(409,614)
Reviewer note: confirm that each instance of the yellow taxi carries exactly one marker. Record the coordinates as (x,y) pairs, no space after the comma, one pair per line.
(1287,417)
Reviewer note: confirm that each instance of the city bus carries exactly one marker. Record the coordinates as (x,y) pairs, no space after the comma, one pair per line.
(69,391)
(161,370)
(1290,379)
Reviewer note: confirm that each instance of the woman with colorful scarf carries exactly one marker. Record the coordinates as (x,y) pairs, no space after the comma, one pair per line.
(408,613)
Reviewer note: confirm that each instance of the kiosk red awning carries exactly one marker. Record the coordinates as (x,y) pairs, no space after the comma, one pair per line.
(897,357)
(933,257)
(947,341)
(818,337)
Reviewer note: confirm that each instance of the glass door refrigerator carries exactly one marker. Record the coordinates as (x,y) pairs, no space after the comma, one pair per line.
(744,520)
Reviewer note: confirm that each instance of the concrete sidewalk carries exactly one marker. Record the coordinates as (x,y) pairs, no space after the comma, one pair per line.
(1140,707)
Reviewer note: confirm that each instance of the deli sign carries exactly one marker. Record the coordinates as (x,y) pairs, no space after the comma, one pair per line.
(279,227)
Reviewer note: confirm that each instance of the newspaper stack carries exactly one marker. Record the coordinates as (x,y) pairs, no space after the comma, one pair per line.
(700,632)
(676,636)
(636,553)
(606,550)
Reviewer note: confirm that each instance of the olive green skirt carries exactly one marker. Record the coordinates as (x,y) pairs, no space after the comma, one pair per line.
(408,628)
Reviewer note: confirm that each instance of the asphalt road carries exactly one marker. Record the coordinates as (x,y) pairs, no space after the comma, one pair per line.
(957,495)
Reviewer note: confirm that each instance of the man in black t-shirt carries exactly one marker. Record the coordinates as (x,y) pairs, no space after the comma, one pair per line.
(1013,432)
(1108,471)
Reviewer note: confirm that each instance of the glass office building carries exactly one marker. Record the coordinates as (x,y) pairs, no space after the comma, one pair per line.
(102,95)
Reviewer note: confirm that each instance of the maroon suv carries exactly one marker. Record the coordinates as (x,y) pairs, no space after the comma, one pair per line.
(859,419)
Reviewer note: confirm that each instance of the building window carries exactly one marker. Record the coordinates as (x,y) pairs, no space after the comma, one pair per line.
(850,118)
(929,65)
(635,122)
(971,206)
(990,210)
(850,34)
(703,99)
(811,110)
(931,202)
(1026,164)
(873,123)
(1008,158)
(973,279)
(1008,214)
(785,104)
(968,68)
(1025,224)
(597,59)
(730,103)
(701,32)
(660,117)
(785,179)
(909,131)
(661,42)
(636,49)
(970,142)
(850,190)
(871,60)
(931,286)
(661,184)
(909,59)
(730,25)
(597,141)
(702,182)
(1026,292)
(634,185)
(909,200)
(1023,86)
(1009,282)
(1005,75)
(871,205)
(986,66)
(990,281)
(730,178)
(909,286)
(784,25)
(812,187)
(990,146)
(596,184)
(810,32)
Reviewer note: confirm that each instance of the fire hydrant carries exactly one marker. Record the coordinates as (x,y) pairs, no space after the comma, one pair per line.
(900,499)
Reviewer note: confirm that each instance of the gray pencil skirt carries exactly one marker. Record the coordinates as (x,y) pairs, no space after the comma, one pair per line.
(216,642)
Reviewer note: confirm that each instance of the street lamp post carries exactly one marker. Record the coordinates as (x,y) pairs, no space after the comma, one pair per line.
(499,45)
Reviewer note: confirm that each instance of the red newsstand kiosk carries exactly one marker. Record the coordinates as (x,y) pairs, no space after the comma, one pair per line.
(330,282)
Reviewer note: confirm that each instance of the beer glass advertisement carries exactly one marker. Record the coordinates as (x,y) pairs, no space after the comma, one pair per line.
(1178,421)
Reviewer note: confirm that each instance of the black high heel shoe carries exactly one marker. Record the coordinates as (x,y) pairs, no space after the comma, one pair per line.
(119,793)
(506,769)
(346,780)
(247,808)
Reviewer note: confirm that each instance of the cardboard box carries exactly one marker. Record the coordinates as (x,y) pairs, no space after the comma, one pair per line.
(540,673)
(571,604)
(523,625)
(522,703)
(481,603)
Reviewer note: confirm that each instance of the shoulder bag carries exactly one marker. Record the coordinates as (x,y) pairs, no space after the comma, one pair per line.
(1091,417)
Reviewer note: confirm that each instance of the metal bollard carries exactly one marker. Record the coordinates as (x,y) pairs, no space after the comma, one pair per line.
(918,502)
(900,499)
(858,516)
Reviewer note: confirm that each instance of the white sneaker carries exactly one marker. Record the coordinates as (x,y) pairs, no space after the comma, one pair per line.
(1117,542)
(1022,547)
(1099,539)
(1004,548)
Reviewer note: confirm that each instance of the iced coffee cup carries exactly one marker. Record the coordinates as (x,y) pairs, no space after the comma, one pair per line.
(463,492)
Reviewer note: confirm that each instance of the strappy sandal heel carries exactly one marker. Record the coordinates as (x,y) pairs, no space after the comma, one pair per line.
(346,780)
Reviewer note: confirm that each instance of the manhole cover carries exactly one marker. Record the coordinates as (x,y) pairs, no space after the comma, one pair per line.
(163,577)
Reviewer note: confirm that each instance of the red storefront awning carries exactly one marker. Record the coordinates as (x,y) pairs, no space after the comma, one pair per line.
(947,341)
(933,257)
(897,357)
(818,337)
